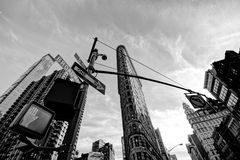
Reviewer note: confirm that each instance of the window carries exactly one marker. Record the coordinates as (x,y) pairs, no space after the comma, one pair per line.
(216,84)
(234,72)
(233,126)
(232,100)
(223,93)
(210,78)
(129,100)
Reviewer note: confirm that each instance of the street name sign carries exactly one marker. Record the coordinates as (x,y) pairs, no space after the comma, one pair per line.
(79,60)
(67,68)
(81,72)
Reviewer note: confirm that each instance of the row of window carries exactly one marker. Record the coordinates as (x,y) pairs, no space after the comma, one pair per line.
(234,126)
(223,93)
(210,79)
(141,156)
(233,99)
(195,118)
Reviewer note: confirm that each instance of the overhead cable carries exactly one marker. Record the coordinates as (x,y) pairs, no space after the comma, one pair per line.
(142,64)
(105,66)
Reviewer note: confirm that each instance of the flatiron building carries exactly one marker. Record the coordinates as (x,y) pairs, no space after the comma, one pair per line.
(140,142)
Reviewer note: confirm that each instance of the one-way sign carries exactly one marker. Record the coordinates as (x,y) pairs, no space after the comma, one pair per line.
(81,72)
(196,100)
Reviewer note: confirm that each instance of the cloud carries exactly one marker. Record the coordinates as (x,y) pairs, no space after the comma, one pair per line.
(174,128)
(177,38)
(13,36)
(101,121)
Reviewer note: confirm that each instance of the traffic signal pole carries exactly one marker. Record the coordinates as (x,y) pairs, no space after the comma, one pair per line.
(145,78)
(70,139)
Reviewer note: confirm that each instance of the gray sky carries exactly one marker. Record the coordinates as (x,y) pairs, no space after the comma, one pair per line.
(177,38)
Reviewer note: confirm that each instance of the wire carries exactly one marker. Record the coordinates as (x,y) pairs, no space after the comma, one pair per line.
(107,45)
(143,64)
(105,66)
(156,71)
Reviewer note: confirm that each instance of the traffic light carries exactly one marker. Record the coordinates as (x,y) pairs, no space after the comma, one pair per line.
(63,98)
(33,121)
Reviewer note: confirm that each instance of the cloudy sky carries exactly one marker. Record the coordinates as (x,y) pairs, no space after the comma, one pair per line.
(180,39)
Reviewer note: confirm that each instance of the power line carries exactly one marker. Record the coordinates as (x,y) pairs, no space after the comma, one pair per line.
(143,64)
(156,71)
(107,45)
(105,66)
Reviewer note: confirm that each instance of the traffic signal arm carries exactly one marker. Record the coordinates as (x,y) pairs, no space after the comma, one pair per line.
(144,78)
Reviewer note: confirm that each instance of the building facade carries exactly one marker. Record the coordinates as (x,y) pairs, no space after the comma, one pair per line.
(35,91)
(223,82)
(162,148)
(107,151)
(203,124)
(139,135)
(100,151)
(9,140)
(123,148)
(105,148)
(227,72)
(195,148)
(97,145)
(193,152)
(34,73)
(226,139)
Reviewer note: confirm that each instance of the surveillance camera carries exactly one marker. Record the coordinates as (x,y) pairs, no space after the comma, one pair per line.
(104,57)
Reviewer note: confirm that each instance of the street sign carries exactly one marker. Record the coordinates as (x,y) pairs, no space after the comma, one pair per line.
(79,60)
(67,68)
(81,72)
(196,100)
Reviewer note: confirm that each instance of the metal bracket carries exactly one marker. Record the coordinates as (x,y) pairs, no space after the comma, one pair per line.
(30,147)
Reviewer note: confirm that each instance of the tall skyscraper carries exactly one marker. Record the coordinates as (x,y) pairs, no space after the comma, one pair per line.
(203,124)
(223,81)
(34,73)
(139,135)
(9,140)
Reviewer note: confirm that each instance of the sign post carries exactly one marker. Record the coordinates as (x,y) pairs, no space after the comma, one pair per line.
(87,77)
(85,74)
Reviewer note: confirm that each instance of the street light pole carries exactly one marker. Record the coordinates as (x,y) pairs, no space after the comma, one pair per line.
(175,147)
(72,131)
